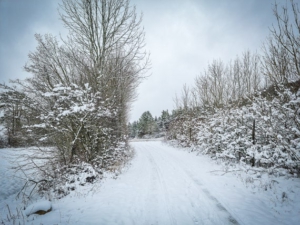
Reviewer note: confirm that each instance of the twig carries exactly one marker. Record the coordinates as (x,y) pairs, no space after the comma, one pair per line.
(33,181)
(9,211)
(22,189)
(36,183)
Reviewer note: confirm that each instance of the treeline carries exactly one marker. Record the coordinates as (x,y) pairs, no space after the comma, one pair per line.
(223,83)
(150,127)
(247,110)
(78,96)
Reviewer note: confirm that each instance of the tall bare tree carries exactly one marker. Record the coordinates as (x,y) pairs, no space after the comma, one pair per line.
(83,85)
(105,31)
(282,49)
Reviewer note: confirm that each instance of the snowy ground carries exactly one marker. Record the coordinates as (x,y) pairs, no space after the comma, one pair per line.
(164,185)
(10,182)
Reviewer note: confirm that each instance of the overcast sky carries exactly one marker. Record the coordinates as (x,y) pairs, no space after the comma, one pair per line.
(183,36)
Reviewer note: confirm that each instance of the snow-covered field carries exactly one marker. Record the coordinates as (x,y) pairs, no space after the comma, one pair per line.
(164,185)
(10,181)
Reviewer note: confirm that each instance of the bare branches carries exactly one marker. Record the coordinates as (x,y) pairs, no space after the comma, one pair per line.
(81,90)
(102,29)
(281,60)
(27,184)
(222,84)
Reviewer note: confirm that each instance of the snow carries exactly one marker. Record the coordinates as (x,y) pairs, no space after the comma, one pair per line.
(10,182)
(164,185)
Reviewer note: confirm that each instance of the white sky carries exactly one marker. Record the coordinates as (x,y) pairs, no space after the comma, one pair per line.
(183,36)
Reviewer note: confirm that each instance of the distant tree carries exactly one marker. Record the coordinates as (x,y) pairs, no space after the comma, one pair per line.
(146,124)
(164,119)
(133,129)
(12,115)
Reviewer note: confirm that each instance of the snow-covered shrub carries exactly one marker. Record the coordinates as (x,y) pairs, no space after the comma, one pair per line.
(62,180)
(47,176)
(78,123)
(78,96)
(261,133)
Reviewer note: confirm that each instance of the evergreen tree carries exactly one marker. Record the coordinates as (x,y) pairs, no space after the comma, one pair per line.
(165,117)
(146,124)
(133,129)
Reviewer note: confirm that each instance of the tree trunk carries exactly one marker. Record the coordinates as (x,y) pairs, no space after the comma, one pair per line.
(253,132)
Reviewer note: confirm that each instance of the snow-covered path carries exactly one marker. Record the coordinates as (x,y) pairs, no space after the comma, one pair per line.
(159,188)
(169,191)
(164,185)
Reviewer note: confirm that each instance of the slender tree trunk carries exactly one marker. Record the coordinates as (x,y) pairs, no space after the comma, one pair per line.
(253,132)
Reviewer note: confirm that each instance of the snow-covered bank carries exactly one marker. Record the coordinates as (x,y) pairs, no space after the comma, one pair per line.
(165,185)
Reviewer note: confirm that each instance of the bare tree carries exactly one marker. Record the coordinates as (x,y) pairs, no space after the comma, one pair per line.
(112,40)
(256,73)
(276,62)
(82,87)
(281,61)
(237,78)
(185,97)
(105,30)
(217,72)
(202,87)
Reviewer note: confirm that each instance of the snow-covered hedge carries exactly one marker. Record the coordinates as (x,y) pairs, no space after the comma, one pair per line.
(262,133)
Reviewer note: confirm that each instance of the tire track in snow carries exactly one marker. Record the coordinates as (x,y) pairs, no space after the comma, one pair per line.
(152,198)
(196,203)
(200,186)
(219,205)
(163,187)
